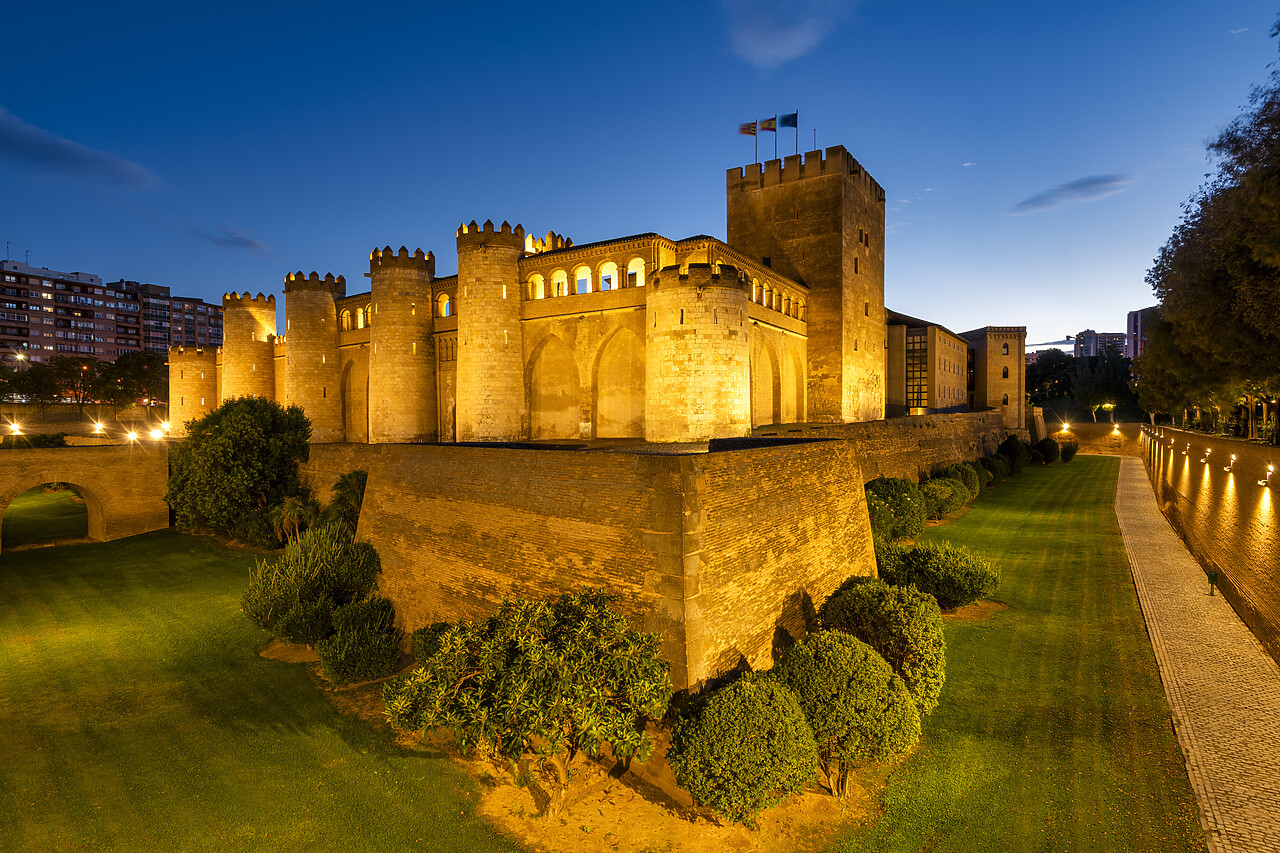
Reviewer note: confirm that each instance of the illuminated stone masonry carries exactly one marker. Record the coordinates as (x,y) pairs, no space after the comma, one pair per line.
(641,337)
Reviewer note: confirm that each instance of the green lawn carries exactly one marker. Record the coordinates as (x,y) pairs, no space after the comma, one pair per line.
(135,714)
(39,516)
(1053,732)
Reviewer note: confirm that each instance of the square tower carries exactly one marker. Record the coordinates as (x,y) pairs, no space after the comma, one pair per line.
(821,221)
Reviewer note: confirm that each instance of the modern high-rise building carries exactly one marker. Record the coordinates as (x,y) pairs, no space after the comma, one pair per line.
(1090,342)
(1136,330)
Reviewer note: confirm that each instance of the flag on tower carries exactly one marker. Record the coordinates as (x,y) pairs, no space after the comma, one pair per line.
(790,120)
(770,125)
(748,129)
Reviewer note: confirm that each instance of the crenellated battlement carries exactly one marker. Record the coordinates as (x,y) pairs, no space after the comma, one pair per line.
(795,167)
(296,281)
(475,236)
(551,242)
(380,259)
(237,300)
(702,275)
(181,353)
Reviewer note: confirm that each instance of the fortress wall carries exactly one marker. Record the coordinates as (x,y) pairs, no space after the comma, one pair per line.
(1229,522)
(779,528)
(717,552)
(1100,439)
(912,447)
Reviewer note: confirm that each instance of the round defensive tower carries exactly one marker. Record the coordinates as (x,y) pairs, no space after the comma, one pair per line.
(402,359)
(248,346)
(490,393)
(311,368)
(193,386)
(697,358)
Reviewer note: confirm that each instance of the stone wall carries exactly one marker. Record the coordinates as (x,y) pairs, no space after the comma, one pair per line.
(913,447)
(1229,520)
(723,554)
(1106,439)
(123,486)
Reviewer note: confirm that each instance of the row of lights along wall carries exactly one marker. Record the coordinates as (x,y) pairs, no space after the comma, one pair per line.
(1158,435)
(100,429)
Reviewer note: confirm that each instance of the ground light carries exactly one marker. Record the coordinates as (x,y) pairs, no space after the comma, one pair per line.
(1230,464)
(1271,469)
(164,425)
(97,428)
(1205,458)
(131,435)
(157,434)
(1066,427)
(15,429)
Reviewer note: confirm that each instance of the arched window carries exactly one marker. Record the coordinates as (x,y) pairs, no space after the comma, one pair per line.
(444,305)
(609,276)
(1004,374)
(582,280)
(1004,401)
(786,304)
(559,283)
(346,321)
(537,287)
(635,273)
(1006,351)
(799,310)
(360,318)
(756,291)
(368,315)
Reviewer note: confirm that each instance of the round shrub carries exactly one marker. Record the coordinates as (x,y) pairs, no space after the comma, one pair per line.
(1037,457)
(365,644)
(960,494)
(881,516)
(425,641)
(1069,449)
(858,707)
(307,622)
(964,472)
(1017,452)
(743,748)
(1049,449)
(905,502)
(980,472)
(954,575)
(902,623)
(935,495)
(889,556)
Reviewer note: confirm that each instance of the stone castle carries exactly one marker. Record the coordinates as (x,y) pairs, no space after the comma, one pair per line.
(640,337)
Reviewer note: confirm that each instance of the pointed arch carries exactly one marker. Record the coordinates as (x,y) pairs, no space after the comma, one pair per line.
(791,387)
(554,386)
(618,386)
(765,397)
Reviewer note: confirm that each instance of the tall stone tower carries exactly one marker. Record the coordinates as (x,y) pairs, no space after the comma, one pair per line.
(698,358)
(248,346)
(193,386)
(491,403)
(402,360)
(311,369)
(821,221)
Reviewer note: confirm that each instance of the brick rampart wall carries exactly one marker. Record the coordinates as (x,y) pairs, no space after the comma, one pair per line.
(1230,523)
(123,485)
(1101,439)
(723,554)
(913,447)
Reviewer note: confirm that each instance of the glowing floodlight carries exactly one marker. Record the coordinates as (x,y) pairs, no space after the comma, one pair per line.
(1066,427)
(164,425)
(1271,469)
(1230,464)
(97,428)
(131,435)
(1207,451)
(157,434)
(1184,453)
(15,429)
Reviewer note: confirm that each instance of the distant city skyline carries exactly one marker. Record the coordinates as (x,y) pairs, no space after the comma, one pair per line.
(1034,161)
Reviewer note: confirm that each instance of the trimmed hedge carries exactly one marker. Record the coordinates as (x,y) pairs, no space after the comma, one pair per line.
(743,748)
(1069,449)
(965,473)
(857,706)
(365,645)
(955,576)
(902,623)
(35,439)
(1017,452)
(979,471)
(997,466)
(889,555)
(881,515)
(1049,449)
(906,503)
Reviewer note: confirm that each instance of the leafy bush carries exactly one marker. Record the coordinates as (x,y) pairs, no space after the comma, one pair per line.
(936,495)
(1017,452)
(954,575)
(902,623)
(743,748)
(858,707)
(306,622)
(539,683)
(347,498)
(881,515)
(1069,449)
(35,439)
(960,494)
(1049,449)
(1037,457)
(998,465)
(365,645)
(238,462)
(982,474)
(889,555)
(964,472)
(324,562)
(426,640)
(905,502)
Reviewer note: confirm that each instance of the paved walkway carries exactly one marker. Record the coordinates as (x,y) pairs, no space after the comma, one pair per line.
(1223,688)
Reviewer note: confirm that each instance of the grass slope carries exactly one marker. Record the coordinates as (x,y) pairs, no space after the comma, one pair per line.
(38,516)
(1053,732)
(135,714)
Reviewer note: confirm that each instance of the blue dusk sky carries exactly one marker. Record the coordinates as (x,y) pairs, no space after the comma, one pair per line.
(1035,155)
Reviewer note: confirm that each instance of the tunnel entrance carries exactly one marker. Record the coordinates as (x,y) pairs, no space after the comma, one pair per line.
(47,514)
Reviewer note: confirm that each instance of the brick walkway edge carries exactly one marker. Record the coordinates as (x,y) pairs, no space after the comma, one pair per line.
(1224,690)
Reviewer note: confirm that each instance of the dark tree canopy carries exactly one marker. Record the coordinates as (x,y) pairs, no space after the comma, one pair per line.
(238,462)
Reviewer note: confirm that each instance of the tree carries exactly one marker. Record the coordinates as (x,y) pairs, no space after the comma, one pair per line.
(347,498)
(541,684)
(135,376)
(238,462)
(38,384)
(79,378)
(1049,376)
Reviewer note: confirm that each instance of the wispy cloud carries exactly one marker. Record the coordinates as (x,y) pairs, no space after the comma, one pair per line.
(769,34)
(231,240)
(31,146)
(1239,31)
(967,165)
(1082,189)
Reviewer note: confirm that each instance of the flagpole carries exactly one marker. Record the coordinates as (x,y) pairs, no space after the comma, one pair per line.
(756,138)
(797,130)
(775,136)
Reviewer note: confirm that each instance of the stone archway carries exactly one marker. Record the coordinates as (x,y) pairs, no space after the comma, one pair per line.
(619,386)
(764,388)
(96,528)
(554,407)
